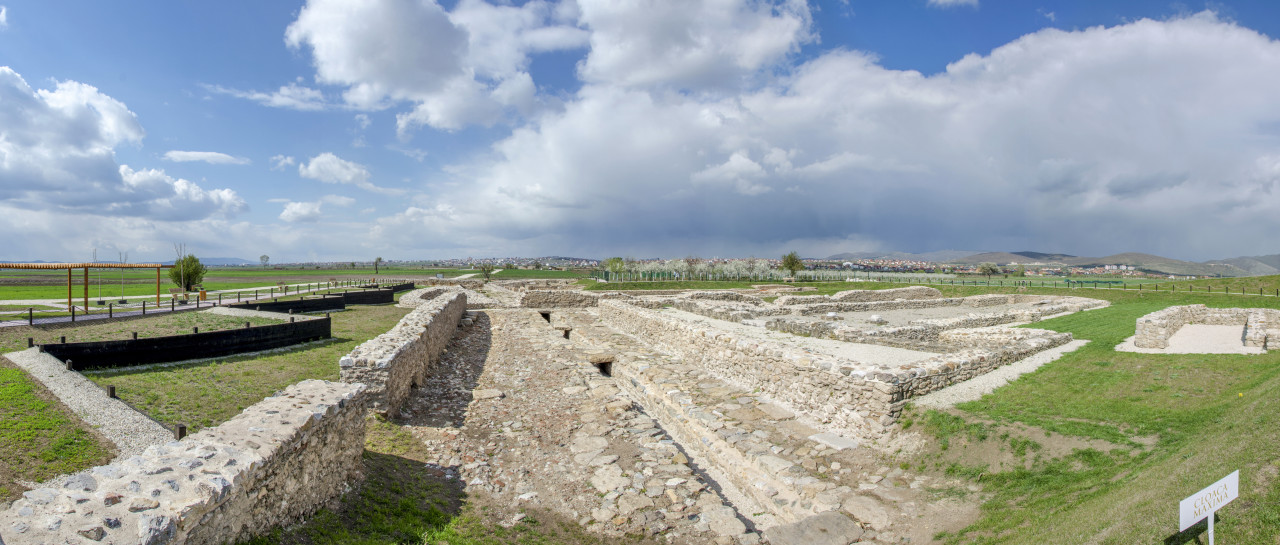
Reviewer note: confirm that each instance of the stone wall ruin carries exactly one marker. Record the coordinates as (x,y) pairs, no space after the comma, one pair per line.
(273,464)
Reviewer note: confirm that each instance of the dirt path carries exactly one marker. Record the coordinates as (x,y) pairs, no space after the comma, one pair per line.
(520,416)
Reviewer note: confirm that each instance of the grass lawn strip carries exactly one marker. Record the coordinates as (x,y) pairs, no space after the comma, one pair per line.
(39,437)
(207,393)
(1176,423)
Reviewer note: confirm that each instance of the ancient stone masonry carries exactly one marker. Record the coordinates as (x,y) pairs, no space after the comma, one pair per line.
(925,334)
(468,283)
(566,298)
(392,363)
(417,297)
(538,283)
(845,396)
(862,296)
(274,464)
(724,295)
(1260,325)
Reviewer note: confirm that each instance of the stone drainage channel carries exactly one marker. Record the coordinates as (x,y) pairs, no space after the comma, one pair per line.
(783,479)
(518,415)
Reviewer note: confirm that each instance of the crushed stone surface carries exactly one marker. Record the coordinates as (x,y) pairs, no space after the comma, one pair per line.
(131,431)
(1200,339)
(976,387)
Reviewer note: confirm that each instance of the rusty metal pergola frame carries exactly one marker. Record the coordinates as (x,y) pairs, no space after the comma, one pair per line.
(86,266)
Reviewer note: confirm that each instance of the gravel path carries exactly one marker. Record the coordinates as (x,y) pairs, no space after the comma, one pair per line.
(1200,339)
(854,352)
(228,311)
(976,387)
(131,431)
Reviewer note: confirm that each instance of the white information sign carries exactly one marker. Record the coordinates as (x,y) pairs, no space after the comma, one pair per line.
(1203,503)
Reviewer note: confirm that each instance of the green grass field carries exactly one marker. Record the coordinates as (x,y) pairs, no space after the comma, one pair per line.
(39,438)
(208,393)
(1202,415)
(512,274)
(29,284)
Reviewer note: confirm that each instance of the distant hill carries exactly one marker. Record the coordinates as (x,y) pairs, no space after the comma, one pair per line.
(1040,256)
(940,256)
(999,258)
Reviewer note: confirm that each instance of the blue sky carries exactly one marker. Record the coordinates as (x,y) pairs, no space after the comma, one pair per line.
(410,129)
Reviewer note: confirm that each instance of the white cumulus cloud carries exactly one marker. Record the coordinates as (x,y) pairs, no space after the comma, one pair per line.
(291,96)
(57,153)
(468,66)
(4,16)
(1100,140)
(211,157)
(279,162)
(953,3)
(331,169)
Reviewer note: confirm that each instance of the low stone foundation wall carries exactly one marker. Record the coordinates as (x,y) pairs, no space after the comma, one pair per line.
(857,399)
(724,295)
(566,298)
(392,363)
(862,296)
(277,462)
(537,283)
(1154,330)
(468,283)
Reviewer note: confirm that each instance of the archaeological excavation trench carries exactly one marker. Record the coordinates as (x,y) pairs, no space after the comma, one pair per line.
(717,416)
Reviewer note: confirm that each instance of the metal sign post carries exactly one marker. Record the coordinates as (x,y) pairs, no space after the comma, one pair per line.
(1206,502)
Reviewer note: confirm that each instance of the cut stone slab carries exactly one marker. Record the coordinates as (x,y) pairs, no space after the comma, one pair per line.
(487,394)
(588,444)
(608,478)
(868,510)
(830,528)
(834,441)
(774,411)
(723,520)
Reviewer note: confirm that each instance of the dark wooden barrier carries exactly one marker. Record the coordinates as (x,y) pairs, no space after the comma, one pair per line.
(400,287)
(212,344)
(309,304)
(369,297)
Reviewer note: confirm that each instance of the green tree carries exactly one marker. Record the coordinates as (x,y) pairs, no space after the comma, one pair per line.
(792,264)
(508,265)
(1022,271)
(486,269)
(187,272)
(537,265)
(376,261)
(265,259)
(988,269)
(615,265)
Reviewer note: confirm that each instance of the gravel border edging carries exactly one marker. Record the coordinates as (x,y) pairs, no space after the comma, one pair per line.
(131,431)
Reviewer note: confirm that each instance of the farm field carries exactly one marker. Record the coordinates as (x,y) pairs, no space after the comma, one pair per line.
(42,284)
(512,274)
